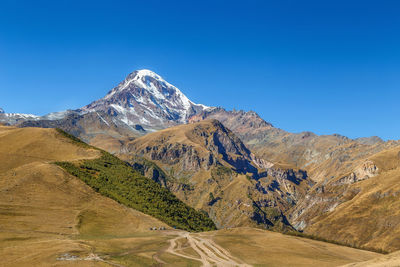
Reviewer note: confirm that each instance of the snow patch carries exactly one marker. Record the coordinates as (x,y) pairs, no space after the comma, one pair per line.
(144,120)
(118,108)
(56,115)
(21,115)
(103,119)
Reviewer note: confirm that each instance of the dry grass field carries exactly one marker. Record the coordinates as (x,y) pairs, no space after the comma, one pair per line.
(391,260)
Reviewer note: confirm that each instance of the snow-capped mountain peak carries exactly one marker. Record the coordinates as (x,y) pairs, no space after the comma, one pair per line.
(148,80)
(145,98)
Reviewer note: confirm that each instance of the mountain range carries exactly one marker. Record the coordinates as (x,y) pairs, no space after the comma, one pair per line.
(143,102)
(240,169)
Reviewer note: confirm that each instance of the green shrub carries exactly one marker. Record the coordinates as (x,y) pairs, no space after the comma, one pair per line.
(221,171)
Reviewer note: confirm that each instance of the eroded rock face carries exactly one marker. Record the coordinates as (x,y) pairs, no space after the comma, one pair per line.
(327,195)
(365,171)
(287,186)
(172,154)
(213,170)
(358,207)
(208,144)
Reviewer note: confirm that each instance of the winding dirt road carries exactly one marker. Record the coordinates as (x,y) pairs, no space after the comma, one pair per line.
(210,253)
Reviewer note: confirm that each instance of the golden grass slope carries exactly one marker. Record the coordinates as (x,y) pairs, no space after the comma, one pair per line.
(391,260)
(46,213)
(368,214)
(264,248)
(20,146)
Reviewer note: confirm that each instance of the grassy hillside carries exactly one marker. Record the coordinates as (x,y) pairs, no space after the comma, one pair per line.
(259,247)
(114,178)
(23,146)
(367,213)
(46,212)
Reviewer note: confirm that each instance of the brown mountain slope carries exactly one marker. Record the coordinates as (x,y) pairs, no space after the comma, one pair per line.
(23,146)
(320,155)
(359,208)
(209,168)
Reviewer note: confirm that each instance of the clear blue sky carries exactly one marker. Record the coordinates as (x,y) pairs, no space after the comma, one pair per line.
(323,66)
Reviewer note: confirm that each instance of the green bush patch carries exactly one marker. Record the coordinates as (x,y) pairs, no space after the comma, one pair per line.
(115,179)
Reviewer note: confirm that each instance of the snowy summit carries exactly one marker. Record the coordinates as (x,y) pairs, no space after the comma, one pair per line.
(145,98)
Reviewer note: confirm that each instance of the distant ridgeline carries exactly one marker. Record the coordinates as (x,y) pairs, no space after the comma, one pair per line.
(115,179)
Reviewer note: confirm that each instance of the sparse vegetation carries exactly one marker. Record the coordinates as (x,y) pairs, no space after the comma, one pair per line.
(221,171)
(212,199)
(114,178)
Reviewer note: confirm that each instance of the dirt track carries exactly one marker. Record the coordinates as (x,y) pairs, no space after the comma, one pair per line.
(210,254)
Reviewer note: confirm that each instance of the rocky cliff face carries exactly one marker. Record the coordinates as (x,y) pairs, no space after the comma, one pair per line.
(209,168)
(196,146)
(338,169)
(325,196)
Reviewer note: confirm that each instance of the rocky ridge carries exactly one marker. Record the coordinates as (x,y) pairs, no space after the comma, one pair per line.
(209,168)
